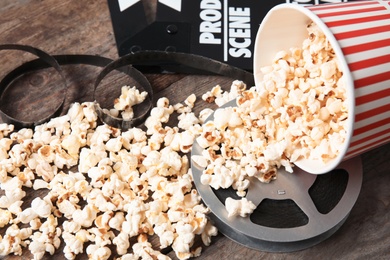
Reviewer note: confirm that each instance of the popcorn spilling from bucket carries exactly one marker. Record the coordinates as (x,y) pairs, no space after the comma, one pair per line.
(297,111)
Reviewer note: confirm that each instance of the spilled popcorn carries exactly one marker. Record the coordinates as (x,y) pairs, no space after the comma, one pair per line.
(298,111)
(107,192)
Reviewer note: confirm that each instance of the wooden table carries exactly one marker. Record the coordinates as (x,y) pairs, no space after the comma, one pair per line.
(76,27)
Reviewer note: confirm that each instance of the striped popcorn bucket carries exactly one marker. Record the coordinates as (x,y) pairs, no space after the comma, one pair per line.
(359,33)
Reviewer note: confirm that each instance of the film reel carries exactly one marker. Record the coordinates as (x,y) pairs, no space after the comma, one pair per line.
(294,212)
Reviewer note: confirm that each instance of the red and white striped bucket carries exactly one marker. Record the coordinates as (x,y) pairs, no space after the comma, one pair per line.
(360,35)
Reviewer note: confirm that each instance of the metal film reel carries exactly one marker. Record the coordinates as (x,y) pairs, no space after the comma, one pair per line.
(294,212)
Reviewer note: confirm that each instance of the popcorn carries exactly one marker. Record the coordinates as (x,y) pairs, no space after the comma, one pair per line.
(46,239)
(208,232)
(40,184)
(182,109)
(13,192)
(122,242)
(82,188)
(46,170)
(200,160)
(116,221)
(186,120)
(210,96)
(99,136)
(35,224)
(227,117)
(220,97)
(128,257)
(143,249)
(5,130)
(130,96)
(134,217)
(242,207)
(70,226)
(85,216)
(170,162)
(100,237)
(66,207)
(209,136)
(60,125)
(90,158)
(297,111)
(95,252)
(72,144)
(204,114)
(18,154)
(26,176)
(190,100)
(5,146)
(107,186)
(13,240)
(5,217)
(184,240)
(41,207)
(74,243)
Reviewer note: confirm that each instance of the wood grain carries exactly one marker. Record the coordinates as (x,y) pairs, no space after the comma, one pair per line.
(84,27)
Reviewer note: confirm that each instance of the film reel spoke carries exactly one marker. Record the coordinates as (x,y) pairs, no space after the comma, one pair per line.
(254,193)
(297,189)
(306,204)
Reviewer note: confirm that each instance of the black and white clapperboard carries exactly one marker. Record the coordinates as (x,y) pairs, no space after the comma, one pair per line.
(224,30)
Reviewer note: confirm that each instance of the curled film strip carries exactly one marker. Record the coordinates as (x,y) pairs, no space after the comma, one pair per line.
(128,64)
(46,60)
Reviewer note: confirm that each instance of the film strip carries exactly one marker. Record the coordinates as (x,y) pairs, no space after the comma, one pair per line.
(133,65)
(44,60)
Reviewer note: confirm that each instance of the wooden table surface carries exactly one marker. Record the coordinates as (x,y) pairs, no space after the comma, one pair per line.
(84,27)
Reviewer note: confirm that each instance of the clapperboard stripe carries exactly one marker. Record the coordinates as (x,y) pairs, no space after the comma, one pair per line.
(363,32)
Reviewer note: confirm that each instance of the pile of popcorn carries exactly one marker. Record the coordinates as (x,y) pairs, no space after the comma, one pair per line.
(103,188)
(298,111)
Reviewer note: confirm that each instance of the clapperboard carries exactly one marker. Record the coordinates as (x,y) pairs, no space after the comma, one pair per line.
(224,30)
